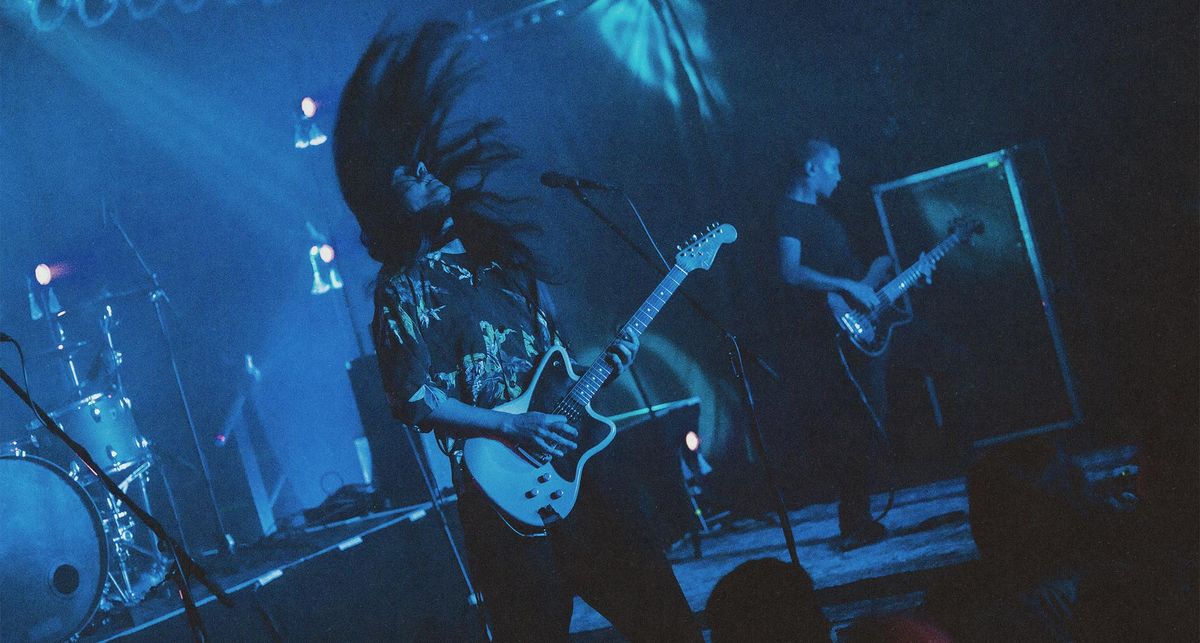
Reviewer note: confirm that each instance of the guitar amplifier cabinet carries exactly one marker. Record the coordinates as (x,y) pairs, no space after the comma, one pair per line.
(988,331)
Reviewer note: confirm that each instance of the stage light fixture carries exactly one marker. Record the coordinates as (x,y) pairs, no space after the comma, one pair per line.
(47,15)
(43,274)
(300,137)
(308,107)
(93,13)
(325,275)
(315,135)
(694,464)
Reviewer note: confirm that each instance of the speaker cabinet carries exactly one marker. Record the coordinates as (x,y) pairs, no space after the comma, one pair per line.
(988,329)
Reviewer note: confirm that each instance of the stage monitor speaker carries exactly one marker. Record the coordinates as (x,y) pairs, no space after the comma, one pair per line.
(989,327)
(396,473)
(643,464)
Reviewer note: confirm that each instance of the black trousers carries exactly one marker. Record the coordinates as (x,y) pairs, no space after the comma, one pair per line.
(597,552)
(834,434)
(854,437)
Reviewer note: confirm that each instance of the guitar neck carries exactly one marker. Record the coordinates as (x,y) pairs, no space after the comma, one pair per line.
(596,374)
(909,278)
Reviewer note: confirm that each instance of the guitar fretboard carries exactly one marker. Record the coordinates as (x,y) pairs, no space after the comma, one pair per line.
(595,376)
(909,278)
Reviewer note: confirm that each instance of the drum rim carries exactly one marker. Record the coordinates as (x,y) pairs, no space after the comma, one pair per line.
(86,401)
(97,527)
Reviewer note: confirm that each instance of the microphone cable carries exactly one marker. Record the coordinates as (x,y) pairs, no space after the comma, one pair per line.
(9,339)
(649,236)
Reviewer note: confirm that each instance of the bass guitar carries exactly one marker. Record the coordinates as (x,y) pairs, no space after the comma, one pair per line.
(531,490)
(871,330)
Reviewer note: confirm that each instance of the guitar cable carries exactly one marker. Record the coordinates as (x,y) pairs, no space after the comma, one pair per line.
(880,431)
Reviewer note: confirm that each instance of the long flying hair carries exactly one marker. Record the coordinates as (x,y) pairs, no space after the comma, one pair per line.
(394,111)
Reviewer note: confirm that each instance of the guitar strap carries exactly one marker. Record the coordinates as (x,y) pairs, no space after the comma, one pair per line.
(539,312)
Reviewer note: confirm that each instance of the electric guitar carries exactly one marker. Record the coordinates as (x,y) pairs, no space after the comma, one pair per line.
(534,490)
(871,330)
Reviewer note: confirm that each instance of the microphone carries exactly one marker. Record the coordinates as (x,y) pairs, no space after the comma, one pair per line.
(559,180)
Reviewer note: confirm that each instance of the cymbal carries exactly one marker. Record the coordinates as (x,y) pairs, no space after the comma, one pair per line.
(107,296)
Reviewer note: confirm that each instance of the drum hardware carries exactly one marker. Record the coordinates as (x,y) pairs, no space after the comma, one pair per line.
(158,296)
(103,423)
(137,565)
(128,561)
(63,564)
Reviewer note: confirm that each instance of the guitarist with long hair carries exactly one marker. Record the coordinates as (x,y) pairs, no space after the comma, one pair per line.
(461,319)
(815,256)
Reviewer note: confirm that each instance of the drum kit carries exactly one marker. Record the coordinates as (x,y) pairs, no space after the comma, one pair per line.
(70,548)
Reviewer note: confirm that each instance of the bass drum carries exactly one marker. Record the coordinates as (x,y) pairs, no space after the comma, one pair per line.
(54,550)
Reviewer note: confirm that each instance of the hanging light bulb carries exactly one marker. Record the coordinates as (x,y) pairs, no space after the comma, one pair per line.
(308,107)
(43,274)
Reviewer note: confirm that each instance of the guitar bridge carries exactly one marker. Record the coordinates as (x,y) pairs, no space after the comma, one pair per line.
(851,324)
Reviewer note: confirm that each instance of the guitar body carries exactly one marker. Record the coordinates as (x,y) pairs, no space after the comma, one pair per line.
(869,332)
(527,491)
(531,491)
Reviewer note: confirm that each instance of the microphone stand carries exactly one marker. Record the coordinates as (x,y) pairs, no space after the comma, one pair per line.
(157,297)
(185,567)
(735,358)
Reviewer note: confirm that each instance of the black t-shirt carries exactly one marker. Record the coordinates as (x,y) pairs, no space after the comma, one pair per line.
(824,247)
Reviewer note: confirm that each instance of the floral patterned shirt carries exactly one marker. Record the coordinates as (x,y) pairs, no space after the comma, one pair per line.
(450,327)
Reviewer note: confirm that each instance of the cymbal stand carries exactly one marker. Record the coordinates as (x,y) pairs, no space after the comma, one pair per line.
(158,297)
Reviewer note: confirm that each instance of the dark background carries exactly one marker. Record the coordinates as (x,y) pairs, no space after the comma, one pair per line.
(182,126)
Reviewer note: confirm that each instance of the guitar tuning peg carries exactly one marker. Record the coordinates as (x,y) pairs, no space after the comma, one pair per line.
(679,246)
(694,237)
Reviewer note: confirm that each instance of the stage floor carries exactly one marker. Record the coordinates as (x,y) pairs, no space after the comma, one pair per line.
(927,531)
(928,535)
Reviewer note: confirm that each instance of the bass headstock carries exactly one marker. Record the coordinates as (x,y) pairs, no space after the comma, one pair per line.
(965,228)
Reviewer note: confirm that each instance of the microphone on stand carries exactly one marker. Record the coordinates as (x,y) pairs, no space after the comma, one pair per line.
(559,180)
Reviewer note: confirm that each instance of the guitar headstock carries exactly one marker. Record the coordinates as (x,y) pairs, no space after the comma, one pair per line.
(965,228)
(700,251)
